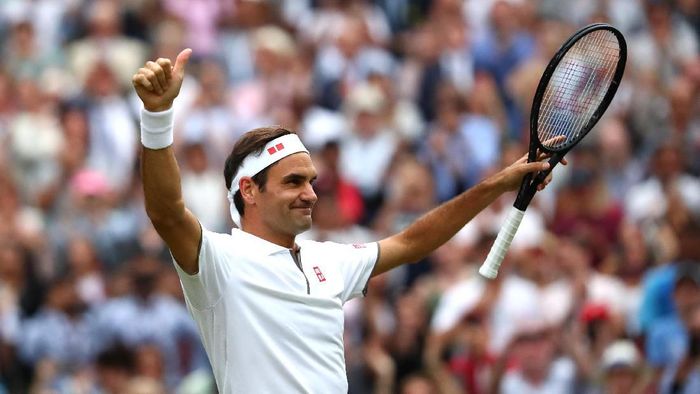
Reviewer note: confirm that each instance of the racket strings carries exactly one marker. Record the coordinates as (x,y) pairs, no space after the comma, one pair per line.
(576,102)
(573,76)
(577,87)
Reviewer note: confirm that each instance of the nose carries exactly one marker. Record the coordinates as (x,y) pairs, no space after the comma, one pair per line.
(308,195)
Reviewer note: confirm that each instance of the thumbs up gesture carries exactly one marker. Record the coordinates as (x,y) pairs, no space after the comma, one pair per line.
(158,83)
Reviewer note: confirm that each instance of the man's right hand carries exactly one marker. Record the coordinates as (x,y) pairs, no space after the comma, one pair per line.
(158,83)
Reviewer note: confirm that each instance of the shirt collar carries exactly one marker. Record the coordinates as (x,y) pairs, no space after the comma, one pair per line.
(264,246)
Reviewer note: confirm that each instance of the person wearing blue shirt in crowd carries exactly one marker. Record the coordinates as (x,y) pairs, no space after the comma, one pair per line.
(667,339)
(683,376)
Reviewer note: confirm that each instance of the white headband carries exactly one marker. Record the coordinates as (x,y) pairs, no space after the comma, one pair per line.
(274,151)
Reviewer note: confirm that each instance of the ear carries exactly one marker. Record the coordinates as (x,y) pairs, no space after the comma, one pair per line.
(248,190)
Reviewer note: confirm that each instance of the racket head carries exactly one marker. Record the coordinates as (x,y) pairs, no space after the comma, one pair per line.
(576,88)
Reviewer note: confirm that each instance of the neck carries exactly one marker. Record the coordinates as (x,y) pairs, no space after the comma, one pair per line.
(260,231)
(535,376)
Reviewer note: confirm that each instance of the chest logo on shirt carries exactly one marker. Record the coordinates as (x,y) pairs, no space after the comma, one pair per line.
(319,274)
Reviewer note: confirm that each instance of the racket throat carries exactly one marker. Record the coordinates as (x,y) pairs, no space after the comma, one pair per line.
(525,193)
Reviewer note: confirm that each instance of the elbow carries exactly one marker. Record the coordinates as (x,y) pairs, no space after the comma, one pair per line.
(412,250)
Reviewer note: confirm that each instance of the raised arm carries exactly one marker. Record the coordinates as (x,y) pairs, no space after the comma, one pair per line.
(442,223)
(157,84)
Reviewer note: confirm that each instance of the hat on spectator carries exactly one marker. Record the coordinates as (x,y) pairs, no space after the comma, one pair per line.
(365,98)
(593,311)
(275,40)
(321,125)
(620,354)
(89,183)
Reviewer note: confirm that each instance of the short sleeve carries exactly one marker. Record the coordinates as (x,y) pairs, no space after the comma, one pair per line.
(358,261)
(204,289)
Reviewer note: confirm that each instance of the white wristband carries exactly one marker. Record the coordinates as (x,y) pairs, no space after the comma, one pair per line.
(156,129)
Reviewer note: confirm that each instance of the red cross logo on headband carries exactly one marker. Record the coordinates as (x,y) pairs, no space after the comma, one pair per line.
(274,149)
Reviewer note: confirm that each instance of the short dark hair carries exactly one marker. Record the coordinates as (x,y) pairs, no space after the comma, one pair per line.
(687,271)
(252,142)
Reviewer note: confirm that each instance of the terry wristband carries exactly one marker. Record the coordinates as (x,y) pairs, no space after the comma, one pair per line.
(156,129)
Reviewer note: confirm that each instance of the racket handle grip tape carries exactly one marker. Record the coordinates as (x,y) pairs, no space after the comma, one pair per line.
(489,268)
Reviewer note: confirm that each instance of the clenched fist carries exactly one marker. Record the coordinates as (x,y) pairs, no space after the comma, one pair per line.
(158,83)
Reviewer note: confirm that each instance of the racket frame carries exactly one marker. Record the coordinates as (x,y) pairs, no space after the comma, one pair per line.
(530,182)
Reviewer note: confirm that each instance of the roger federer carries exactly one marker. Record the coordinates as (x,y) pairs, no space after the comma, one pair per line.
(268,308)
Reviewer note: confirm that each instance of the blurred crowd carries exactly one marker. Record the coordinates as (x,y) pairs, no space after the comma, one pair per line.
(403,104)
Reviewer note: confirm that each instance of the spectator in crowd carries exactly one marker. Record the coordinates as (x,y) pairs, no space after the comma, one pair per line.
(146,317)
(621,170)
(209,119)
(36,142)
(621,366)
(82,263)
(59,332)
(683,376)
(667,341)
(501,50)
(365,155)
(538,368)
(671,193)
(105,42)
(201,188)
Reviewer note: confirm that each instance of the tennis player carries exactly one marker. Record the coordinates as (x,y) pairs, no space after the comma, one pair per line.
(268,308)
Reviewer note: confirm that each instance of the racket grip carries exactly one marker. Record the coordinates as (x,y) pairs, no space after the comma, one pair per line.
(489,268)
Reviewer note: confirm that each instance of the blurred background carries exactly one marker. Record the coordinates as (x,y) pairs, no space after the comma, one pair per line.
(404,104)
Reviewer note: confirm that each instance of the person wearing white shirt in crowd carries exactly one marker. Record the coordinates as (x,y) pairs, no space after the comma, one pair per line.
(268,307)
(366,154)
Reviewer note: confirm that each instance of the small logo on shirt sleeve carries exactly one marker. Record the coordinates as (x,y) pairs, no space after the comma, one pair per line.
(359,246)
(319,274)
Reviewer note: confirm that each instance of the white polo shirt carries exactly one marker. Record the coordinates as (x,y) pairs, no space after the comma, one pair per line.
(269,326)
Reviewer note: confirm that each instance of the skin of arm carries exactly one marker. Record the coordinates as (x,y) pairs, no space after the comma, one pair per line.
(442,223)
(157,84)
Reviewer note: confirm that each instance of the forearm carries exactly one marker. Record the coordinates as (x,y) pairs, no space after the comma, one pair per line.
(436,368)
(442,223)
(161,185)
(160,173)
(498,371)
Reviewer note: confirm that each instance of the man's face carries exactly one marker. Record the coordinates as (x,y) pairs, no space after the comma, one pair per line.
(686,294)
(535,351)
(288,197)
(620,380)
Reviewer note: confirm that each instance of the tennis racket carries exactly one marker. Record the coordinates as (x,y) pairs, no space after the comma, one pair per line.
(573,93)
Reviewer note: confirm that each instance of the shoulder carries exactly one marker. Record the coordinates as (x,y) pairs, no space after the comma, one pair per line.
(688,182)
(666,326)
(659,278)
(221,237)
(340,252)
(563,368)
(214,243)
(330,245)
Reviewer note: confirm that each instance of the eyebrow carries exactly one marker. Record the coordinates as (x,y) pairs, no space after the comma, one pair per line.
(297,177)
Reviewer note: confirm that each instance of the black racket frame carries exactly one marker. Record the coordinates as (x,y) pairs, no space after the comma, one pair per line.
(528,187)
